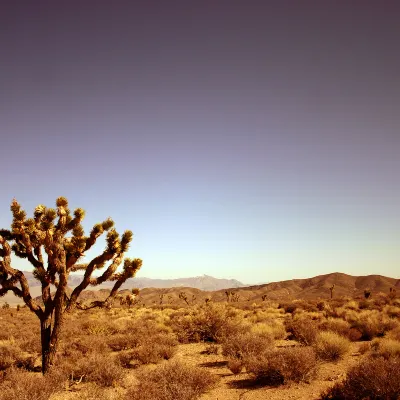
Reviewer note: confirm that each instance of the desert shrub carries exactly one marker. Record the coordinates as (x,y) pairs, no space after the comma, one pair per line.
(365,305)
(385,348)
(21,385)
(273,329)
(392,311)
(211,348)
(151,352)
(330,346)
(372,323)
(235,365)
(283,365)
(302,330)
(364,347)
(123,342)
(172,381)
(336,325)
(351,305)
(354,334)
(209,323)
(372,379)
(289,308)
(321,305)
(394,334)
(98,368)
(11,355)
(242,346)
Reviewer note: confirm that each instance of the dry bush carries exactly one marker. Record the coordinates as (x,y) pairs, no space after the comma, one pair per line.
(124,342)
(351,305)
(12,356)
(392,311)
(364,347)
(100,326)
(239,347)
(151,352)
(331,346)
(235,366)
(372,323)
(289,308)
(302,330)
(209,323)
(101,369)
(385,348)
(277,367)
(394,334)
(172,381)
(22,385)
(211,348)
(372,379)
(336,325)
(275,329)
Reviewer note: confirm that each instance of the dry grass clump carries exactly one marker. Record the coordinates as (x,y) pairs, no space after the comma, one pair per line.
(21,385)
(336,325)
(331,346)
(394,334)
(385,348)
(158,348)
(9,354)
(302,329)
(173,380)
(12,356)
(211,348)
(372,379)
(371,324)
(243,346)
(280,366)
(101,369)
(275,329)
(208,323)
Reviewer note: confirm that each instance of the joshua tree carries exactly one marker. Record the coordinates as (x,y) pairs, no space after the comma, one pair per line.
(131,299)
(367,293)
(47,233)
(182,295)
(264,297)
(235,297)
(332,289)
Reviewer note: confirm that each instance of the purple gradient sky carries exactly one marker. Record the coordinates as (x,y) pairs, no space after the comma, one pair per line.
(256,140)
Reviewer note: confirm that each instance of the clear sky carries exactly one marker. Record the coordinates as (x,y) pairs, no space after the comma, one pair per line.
(256,140)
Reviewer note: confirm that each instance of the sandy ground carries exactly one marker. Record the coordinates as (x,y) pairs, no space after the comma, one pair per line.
(239,387)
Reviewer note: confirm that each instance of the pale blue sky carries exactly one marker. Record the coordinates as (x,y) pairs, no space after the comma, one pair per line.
(258,143)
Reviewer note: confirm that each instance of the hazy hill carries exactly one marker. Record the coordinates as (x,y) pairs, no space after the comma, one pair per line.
(310,288)
(204,282)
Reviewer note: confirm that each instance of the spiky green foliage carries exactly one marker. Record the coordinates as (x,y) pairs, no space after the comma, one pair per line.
(61,236)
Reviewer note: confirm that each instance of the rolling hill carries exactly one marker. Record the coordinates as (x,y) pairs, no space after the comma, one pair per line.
(310,288)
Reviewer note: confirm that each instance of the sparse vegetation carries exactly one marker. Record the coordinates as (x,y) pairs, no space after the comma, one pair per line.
(281,366)
(373,378)
(166,351)
(331,346)
(172,381)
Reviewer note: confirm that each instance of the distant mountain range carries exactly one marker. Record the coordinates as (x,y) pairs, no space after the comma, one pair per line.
(199,288)
(204,282)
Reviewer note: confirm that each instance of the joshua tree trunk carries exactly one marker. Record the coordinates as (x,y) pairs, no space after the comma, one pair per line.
(47,354)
